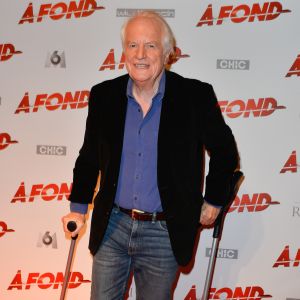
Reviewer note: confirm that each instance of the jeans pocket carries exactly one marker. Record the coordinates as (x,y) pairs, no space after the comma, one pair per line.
(163,225)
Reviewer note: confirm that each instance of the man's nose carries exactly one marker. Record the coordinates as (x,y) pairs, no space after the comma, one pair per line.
(141,52)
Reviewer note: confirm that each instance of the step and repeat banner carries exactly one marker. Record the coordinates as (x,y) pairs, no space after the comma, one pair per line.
(53,51)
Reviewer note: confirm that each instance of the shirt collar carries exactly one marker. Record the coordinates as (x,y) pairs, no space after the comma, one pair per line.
(160,92)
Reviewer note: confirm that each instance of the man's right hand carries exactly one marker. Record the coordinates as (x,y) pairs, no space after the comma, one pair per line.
(78,218)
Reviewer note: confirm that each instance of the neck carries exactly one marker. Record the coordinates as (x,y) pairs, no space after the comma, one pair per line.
(146,91)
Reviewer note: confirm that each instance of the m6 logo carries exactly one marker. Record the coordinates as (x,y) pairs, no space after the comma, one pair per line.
(56,59)
(47,240)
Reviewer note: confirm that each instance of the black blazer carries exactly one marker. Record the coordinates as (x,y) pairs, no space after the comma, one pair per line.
(190,121)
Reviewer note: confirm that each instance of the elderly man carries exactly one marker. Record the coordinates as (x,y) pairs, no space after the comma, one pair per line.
(145,133)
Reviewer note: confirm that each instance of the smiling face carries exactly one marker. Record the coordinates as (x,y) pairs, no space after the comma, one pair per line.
(143,49)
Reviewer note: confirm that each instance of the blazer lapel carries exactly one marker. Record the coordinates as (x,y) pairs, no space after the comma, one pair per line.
(117,121)
(167,116)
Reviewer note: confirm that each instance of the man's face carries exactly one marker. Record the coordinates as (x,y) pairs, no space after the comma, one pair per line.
(143,49)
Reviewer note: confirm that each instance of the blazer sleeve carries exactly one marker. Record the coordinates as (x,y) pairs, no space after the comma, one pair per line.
(86,170)
(222,150)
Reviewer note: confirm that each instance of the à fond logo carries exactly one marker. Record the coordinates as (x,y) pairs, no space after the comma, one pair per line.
(252,203)
(60,10)
(45,281)
(6,140)
(286,259)
(111,63)
(46,192)
(7,51)
(257,108)
(237,14)
(4,229)
(54,101)
(291,164)
(245,293)
(295,68)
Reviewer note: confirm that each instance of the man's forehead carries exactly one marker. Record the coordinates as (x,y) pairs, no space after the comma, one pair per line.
(141,21)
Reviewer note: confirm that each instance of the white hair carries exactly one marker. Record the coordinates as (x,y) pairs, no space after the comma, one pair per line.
(168,39)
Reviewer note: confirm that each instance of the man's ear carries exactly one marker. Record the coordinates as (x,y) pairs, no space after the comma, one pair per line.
(167,57)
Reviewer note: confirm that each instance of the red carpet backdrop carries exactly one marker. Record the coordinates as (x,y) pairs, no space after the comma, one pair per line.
(53,51)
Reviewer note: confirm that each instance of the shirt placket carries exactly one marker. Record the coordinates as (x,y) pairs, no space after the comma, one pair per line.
(137,193)
(140,158)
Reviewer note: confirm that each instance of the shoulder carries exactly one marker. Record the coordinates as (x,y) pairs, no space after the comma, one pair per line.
(175,78)
(192,87)
(114,84)
(108,90)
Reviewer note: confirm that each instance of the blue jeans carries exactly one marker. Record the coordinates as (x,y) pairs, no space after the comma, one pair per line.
(140,247)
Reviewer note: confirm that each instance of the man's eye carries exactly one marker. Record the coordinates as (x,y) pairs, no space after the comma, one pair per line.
(151,46)
(132,45)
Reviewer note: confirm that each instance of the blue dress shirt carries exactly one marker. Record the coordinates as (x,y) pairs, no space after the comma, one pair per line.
(137,185)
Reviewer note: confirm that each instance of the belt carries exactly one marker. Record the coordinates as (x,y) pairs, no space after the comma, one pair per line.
(139,215)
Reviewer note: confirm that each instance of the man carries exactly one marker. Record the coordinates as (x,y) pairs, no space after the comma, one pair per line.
(145,133)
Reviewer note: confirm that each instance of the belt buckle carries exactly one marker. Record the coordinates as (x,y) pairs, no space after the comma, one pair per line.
(136,211)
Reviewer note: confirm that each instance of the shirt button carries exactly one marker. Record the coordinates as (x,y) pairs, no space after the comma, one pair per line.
(140,154)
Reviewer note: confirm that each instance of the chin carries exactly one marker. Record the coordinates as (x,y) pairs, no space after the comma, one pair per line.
(140,77)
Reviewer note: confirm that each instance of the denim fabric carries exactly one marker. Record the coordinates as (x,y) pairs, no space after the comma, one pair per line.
(141,247)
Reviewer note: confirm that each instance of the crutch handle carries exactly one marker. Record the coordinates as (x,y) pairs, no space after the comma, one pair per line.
(72,226)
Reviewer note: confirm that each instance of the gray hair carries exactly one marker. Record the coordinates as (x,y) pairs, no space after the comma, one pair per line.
(168,40)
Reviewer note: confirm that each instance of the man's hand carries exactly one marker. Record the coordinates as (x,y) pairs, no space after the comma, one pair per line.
(209,214)
(78,218)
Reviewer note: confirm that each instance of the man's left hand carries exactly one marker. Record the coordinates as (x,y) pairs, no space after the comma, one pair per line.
(209,214)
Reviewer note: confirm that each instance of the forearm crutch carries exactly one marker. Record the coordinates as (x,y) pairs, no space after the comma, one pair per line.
(71,227)
(218,227)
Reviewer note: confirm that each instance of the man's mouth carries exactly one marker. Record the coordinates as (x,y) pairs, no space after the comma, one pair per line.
(141,66)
